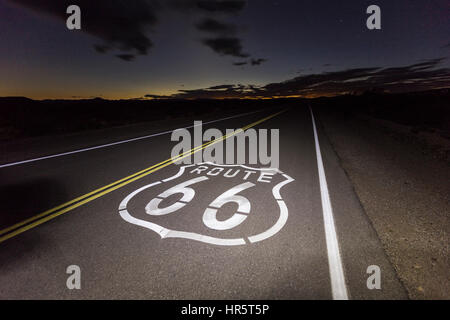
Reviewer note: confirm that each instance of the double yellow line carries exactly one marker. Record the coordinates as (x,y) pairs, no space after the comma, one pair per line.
(39,219)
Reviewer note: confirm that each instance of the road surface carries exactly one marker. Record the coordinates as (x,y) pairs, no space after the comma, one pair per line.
(103,209)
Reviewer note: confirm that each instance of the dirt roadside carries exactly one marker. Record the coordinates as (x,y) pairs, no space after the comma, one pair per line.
(403,183)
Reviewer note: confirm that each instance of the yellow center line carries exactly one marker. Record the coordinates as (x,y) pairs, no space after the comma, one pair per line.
(15,226)
(77,202)
(45,213)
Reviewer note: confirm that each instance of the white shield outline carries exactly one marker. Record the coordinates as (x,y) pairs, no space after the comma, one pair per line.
(166,233)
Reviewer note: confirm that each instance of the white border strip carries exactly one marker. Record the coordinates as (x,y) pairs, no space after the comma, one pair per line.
(338,287)
(119,142)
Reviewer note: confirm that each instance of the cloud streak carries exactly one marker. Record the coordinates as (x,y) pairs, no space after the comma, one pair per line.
(424,75)
(226,46)
(257,62)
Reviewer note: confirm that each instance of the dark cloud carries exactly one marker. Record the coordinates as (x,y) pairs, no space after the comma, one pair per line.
(257,62)
(225,41)
(227,6)
(231,46)
(252,62)
(126,57)
(424,75)
(101,48)
(122,25)
(217,92)
(216,27)
(156,96)
(223,87)
(208,6)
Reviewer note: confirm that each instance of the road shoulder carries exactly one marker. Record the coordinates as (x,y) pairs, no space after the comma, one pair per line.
(405,193)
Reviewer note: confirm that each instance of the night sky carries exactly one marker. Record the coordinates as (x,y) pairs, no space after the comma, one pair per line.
(235,48)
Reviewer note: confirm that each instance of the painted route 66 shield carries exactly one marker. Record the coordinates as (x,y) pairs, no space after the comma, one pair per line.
(225,205)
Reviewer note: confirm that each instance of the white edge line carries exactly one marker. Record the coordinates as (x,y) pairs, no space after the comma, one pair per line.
(338,286)
(120,142)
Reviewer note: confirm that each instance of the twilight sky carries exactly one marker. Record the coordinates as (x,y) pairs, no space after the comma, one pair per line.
(220,48)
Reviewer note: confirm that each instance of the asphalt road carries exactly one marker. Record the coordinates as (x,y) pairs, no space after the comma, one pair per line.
(127,249)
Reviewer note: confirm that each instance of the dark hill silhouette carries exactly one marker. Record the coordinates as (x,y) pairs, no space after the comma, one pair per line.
(22,117)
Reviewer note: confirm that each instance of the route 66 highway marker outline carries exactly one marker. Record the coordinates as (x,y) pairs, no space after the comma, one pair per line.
(209,214)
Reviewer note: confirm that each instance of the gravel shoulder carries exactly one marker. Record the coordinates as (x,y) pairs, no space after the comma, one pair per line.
(403,183)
